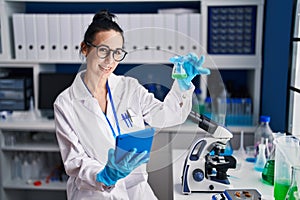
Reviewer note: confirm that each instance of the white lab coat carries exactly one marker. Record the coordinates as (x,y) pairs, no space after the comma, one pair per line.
(84,135)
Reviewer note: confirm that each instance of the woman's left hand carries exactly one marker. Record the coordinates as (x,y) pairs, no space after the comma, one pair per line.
(193,66)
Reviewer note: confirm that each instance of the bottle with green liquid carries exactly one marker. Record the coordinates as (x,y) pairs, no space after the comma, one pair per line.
(178,71)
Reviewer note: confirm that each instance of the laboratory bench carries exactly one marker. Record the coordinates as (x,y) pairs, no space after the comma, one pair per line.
(243,177)
(176,137)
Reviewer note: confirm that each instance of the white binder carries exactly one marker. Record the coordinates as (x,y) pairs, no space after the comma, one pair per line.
(146,33)
(30,36)
(54,35)
(134,38)
(182,35)
(19,36)
(195,33)
(65,36)
(87,19)
(123,21)
(169,45)
(42,36)
(158,37)
(76,35)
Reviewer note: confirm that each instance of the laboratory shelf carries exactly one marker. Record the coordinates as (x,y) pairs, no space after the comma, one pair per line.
(56,185)
(26,125)
(95,1)
(218,62)
(35,147)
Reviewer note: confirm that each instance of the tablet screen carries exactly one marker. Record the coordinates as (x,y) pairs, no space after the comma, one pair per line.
(141,140)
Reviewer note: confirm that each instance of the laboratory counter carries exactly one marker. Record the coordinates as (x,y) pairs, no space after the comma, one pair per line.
(243,177)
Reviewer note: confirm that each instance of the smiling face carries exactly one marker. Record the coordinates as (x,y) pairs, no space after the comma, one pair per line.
(102,67)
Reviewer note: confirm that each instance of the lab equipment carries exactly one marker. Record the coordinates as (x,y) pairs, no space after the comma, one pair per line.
(114,171)
(141,140)
(268,172)
(295,184)
(197,101)
(287,155)
(205,170)
(250,154)
(261,158)
(240,153)
(16,167)
(178,71)
(264,135)
(246,194)
(192,66)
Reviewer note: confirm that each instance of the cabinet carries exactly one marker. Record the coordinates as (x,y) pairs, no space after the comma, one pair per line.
(216,60)
(30,143)
(294,86)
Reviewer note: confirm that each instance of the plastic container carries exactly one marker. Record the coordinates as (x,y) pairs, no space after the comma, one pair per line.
(264,135)
(16,166)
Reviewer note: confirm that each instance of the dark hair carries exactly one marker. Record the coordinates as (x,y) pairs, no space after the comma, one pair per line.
(102,21)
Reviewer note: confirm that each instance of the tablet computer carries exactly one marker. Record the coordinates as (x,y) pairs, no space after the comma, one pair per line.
(141,140)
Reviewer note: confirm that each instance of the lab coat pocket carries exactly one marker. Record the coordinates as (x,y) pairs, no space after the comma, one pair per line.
(130,121)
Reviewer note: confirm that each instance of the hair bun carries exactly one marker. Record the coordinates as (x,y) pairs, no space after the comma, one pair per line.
(103,15)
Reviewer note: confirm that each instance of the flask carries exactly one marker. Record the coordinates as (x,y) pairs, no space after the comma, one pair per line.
(263,134)
(261,158)
(295,183)
(178,71)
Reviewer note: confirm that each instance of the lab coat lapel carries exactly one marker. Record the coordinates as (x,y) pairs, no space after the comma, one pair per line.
(82,94)
(113,82)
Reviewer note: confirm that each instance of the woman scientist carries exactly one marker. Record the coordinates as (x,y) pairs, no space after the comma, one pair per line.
(90,114)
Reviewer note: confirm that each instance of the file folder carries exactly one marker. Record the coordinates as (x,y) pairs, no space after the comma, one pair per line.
(76,35)
(195,33)
(169,45)
(86,21)
(182,36)
(146,33)
(30,36)
(123,21)
(19,36)
(54,35)
(159,31)
(42,36)
(134,38)
(65,36)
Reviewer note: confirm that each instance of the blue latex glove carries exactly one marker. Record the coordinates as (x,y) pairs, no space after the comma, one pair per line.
(113,171)
(192,66)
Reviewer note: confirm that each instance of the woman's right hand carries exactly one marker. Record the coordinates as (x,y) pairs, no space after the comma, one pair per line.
(114,171)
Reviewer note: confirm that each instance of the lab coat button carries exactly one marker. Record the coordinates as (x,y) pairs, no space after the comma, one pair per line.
(180,104)
(183,96)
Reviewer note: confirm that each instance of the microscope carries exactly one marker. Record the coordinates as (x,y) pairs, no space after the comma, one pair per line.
(205,167)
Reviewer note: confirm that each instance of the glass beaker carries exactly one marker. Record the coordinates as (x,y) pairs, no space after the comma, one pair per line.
(178,71)
(286,156)
(295,184)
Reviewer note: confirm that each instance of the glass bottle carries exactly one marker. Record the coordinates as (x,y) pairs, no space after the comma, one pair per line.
(264,135)
(295,183)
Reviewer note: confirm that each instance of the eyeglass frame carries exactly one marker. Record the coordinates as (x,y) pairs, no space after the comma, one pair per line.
(110,50)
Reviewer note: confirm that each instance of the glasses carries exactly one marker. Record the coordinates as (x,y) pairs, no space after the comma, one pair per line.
(103,51)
